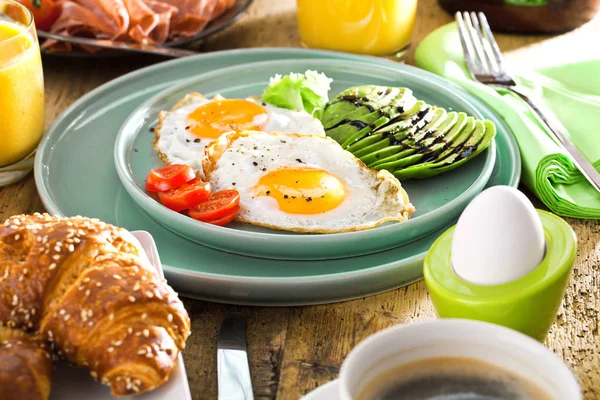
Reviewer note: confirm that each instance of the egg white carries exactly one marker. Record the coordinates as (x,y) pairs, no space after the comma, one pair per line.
(176,145)
(371,197)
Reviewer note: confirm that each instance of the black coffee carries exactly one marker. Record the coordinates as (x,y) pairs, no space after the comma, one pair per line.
(451,378)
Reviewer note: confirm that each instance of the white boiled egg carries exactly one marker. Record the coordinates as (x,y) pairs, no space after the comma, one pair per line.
(499,238)
(303,183)
(195,121)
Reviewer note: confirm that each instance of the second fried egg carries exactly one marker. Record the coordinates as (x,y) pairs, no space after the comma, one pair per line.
(303,183)
(195,121)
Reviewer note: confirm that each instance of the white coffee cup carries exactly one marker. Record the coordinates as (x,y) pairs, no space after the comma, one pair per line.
(494,344)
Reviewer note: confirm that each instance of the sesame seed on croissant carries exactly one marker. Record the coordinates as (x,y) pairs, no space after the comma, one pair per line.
(89,290)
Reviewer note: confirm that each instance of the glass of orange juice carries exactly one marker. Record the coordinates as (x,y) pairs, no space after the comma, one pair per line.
(374,27)
(21,92)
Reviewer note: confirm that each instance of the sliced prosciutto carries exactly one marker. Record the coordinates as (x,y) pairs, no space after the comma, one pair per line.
(141,21)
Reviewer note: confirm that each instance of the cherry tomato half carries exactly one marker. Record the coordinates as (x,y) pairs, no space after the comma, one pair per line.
(185,196)
(169,177)
(224,220)
(218,205)
(45,12)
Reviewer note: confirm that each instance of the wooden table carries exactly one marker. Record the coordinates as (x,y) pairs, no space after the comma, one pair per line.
(293,350)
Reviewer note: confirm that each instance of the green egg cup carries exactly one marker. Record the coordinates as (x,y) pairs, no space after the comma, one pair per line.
(528,305)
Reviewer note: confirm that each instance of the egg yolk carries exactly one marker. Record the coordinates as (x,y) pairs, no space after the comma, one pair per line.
(210,120)
(302,190)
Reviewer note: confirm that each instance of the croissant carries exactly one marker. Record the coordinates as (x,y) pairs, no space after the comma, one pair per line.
(91,293)
(25,366)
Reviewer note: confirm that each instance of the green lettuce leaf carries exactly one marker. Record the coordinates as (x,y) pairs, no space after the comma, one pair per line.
(308,92)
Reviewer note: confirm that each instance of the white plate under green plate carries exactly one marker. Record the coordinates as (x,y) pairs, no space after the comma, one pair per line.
(75,174)
(437,200)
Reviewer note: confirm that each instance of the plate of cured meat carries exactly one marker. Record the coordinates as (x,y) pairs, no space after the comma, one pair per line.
(172,23)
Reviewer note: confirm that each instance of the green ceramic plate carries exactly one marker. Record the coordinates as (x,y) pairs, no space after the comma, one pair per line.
(438,200)
(75,174)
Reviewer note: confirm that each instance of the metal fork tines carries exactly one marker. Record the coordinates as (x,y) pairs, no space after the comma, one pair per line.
(484,62)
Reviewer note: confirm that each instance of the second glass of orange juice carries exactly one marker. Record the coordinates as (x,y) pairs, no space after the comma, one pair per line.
(21,92)
(375,27)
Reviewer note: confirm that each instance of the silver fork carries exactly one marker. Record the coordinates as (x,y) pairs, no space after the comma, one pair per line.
(484,62)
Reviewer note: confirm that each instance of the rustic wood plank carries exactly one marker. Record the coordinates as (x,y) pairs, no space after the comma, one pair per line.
(294,350)
(574,336)
(266,336)
(320,337)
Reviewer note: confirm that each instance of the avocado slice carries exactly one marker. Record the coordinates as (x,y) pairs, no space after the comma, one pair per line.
(386,149)
(393,133)
(390,145)
(464,154)
(389,128)
(356,112)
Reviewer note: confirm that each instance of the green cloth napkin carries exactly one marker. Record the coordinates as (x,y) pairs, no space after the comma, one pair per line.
(570,91)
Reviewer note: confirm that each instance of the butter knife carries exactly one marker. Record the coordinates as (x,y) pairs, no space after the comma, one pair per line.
(233,371)
(115,45)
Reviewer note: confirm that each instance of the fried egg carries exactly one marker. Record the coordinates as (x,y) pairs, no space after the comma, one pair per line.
(303,183)
(195,121)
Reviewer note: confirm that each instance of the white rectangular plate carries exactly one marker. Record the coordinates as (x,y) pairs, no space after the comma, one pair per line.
(71,382)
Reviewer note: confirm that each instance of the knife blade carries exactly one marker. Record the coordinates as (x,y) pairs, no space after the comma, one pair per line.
(233,371)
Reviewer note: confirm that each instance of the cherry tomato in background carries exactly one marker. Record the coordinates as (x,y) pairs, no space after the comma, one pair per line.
(45,12)
(169,177)
(185,196)
(219,205)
